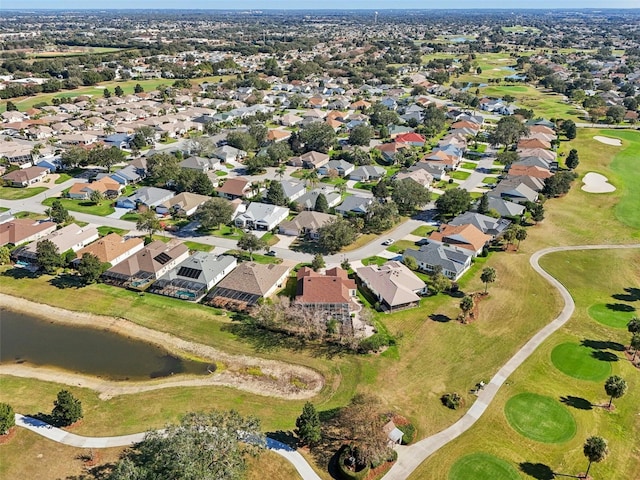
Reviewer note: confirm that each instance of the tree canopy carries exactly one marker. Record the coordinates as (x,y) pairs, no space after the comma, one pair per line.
(318,136)
(251,243)
(508,131)
(47,256)
(90,267)
(453,202)
(336,234)
(204,446)
(214,212)
(308,427)
(409,195)
(67,409)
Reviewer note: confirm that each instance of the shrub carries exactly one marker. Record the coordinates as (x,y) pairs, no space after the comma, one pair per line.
(345,472)
(409,432)
(7,418)
(374,343)
(451,400)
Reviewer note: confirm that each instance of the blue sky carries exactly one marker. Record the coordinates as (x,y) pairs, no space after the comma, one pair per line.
(316,4)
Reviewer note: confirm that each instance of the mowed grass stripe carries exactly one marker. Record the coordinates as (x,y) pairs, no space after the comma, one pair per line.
(540,418)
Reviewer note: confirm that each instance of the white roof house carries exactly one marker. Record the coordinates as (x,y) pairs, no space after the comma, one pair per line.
(261,216)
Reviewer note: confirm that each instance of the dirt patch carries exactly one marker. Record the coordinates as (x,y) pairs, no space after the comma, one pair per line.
(279,379)
(629,354)
(6,438)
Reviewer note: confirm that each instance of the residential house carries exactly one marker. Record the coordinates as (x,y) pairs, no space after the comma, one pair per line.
(389,150)
(354,205)
(412,138)
(518,169)
(118,140)
(452,262)
(393,284)
(505,208)
(305,224)
(108,187)
(310,160)
(127,175)
(24,230)
(185,203)
(367,173)
(437,170)
(464,236)
(309,199)
(140,269)
(194,276)
(227,153)
(393,433)
(292,189)
(487,225)
(150,197)
(112,248)
(276,136)
(529,143)
(26,176)
(331,295)
(514,191)
(233,188)
(290,120)
(71,237)
(420,176)
(247,284)
(201,164)
(341,167)
(261,216)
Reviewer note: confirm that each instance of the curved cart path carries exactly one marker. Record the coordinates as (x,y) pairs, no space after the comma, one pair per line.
(410,457)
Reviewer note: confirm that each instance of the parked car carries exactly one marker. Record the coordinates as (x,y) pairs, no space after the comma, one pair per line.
(271,253)
(388,241)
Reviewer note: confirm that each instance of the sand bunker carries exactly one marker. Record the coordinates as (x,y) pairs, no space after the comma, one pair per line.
(614,142)
(596,183)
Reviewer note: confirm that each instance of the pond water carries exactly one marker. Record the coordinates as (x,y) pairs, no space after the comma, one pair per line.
(34,341)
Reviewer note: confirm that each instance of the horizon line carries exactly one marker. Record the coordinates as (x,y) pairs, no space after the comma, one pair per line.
(596,9)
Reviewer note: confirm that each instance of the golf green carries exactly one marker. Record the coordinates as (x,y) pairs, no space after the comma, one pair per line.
(579,361)
(540,418)
(610,316)
(482,466)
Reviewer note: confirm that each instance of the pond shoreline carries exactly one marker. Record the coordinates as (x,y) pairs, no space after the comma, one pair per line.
(276,379)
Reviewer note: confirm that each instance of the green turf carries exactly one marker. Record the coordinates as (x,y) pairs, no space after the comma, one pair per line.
(625,164)
(101,209)
(481,466)
(579,361)
(540,418)
(14,193)
(616,318)
(107,230)
(459,175)
(489,180)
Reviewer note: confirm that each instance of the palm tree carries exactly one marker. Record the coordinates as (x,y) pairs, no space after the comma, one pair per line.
(488,276)
(635,344)
(310,177)
(520,234)
(615,386)
(509,236)
(280,171)
(466,305)
(596,450)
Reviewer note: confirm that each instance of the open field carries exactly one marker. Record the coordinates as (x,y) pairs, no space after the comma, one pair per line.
(128,86)
(102,209)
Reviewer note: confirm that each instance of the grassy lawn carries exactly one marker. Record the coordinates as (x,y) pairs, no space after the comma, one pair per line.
(31,215)
(13,193)
(581,361)
(84,206)
(107,230)
(469,165)
(374,261)
(489,180)
(401,245)
(225,231)
(424,230)
(62,177)
(459,175)
(221,173)
(270,239)
(130,217)
(257,257)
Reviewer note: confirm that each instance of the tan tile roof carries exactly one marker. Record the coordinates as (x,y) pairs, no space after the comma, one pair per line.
(234,186)
(466,236)
(110,247)
(16,231)
(531,171)
(254,278)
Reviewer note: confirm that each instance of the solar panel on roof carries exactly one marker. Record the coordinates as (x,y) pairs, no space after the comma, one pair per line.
(162,258)
(189,272)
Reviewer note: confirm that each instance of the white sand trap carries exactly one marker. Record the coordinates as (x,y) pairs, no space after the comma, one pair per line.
(614,142)
(596,183)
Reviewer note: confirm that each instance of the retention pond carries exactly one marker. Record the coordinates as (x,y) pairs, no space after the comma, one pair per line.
(33,341)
